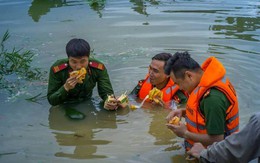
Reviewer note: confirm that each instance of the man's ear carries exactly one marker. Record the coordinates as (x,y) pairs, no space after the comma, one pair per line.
(189,74)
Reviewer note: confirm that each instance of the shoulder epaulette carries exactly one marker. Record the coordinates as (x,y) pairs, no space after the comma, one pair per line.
(206,93)
(97,65)
(176,99)
(140,83)
(59,67)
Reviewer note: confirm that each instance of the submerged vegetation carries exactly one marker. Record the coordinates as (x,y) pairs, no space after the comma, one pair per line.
(15,68)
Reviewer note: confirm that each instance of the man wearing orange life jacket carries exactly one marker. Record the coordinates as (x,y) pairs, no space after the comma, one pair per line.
(157,78)
(212,108)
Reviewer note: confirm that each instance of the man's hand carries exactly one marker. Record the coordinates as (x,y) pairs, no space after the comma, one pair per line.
(121,105)
(173,113)
(111,105)
(196,150)
(179,130)
(70,83)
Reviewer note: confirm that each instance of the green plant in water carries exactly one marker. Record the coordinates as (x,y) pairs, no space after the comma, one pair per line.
(15,67)
(17,62)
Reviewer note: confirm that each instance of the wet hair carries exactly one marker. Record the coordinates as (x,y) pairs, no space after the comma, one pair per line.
(162,57)
(179,63)
(77,48)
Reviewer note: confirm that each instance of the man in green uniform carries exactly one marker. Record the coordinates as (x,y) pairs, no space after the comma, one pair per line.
(211,112)
(62,88)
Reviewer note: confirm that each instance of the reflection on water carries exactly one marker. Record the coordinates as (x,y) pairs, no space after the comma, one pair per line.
(80,134)
(42,7)
(237,27)
(218,49)
(87,138)
(97,5)
(140,6)
(157,126)
(163,136)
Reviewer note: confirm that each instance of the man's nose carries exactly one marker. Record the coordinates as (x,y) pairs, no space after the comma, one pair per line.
(150,72)
(78,66)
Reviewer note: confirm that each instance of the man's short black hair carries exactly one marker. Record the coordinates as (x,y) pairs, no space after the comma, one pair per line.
(162,57)
(77,48)
(179,63)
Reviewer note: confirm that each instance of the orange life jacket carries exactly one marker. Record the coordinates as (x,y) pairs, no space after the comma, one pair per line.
(168,91)
(214,76)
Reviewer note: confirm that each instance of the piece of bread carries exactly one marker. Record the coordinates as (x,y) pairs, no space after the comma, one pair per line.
(123,100)
(110,99)
(79,74)
(155,94)
(175,120)
(74,73)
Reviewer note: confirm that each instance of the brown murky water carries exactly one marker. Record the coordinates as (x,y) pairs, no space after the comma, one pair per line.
(124,34)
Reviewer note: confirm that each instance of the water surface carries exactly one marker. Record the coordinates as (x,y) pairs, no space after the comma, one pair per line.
(124,35)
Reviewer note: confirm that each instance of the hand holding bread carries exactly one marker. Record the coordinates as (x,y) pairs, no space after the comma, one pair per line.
(175,120)
(79,74)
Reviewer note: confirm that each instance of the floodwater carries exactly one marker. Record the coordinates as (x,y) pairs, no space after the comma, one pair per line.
(124,34)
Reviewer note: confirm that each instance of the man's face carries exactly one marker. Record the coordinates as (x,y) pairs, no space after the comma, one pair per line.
(77,63)
(156,72)
(187,83)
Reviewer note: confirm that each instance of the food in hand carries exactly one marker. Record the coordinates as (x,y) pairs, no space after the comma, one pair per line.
(123,99)
(175,120)
(111,98)
(155,94)
(79,74)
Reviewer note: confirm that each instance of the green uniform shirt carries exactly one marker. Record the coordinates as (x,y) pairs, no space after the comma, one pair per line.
(183,98)
(214,107)
(57,93)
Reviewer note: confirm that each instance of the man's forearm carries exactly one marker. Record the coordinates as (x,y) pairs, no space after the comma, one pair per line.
(205,139)
(57,97)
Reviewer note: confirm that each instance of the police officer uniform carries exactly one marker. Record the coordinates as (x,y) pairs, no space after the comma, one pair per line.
(96,74)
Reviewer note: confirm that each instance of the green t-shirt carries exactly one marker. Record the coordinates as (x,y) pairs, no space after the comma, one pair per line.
(214,107)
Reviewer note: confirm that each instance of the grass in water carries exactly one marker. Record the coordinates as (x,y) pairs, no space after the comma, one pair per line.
(16,69)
